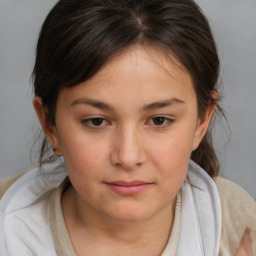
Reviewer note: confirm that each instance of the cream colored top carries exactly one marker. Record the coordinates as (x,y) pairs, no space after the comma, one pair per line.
(60,235)
(238,212)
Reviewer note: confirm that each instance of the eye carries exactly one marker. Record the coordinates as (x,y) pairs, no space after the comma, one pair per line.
(95,122)
(161,121)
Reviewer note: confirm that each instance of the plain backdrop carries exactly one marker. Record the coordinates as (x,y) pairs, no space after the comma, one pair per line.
(233,23)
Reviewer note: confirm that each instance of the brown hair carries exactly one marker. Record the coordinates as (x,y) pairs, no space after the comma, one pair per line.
(79,37)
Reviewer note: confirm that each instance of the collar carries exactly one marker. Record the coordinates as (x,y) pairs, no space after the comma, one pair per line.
(201,215)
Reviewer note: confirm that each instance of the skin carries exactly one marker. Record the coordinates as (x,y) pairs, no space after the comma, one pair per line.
(147,124)
(245,248)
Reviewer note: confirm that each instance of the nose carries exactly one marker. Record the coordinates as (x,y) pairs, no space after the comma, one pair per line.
(128,149)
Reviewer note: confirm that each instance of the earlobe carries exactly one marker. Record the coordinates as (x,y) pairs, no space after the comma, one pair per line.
(47,126)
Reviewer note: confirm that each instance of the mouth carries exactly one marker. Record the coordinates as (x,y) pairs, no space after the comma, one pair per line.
(128,188)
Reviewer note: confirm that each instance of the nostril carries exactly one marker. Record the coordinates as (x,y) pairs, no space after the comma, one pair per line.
(126,160)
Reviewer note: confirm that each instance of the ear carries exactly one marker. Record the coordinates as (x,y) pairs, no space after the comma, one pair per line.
(48,128)
(203,123)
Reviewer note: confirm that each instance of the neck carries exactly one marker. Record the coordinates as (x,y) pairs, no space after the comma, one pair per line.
(89,224)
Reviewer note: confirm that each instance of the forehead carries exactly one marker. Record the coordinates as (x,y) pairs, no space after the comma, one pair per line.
(143,60)
(145,74)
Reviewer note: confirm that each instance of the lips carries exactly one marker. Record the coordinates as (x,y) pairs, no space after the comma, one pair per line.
(128,188)
(128,184)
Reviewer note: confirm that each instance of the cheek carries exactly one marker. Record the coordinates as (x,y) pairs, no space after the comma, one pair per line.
(173,163)
(82,156)
(175,149)
(172,166)
(171,157)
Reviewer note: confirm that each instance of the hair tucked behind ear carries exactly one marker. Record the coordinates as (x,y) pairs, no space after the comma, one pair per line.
(79,37)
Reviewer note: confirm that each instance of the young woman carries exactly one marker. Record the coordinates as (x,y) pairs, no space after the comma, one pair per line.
(125,91)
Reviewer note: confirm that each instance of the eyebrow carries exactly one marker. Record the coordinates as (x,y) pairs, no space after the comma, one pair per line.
(93,103)
(104,106)
(162,104)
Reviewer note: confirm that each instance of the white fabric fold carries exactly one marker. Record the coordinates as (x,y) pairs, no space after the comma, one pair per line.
(24,214)
(201,215)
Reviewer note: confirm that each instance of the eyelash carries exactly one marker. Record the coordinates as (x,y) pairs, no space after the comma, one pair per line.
(89,122)
(166,121)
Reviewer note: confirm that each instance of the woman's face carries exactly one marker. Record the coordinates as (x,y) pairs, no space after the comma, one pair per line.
(127,134)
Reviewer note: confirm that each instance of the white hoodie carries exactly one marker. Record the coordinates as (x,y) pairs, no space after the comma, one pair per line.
(25,225)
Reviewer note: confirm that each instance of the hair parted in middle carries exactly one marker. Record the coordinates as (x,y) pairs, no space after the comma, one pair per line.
(79,37)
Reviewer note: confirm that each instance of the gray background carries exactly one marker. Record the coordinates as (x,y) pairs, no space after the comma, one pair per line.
(233,23)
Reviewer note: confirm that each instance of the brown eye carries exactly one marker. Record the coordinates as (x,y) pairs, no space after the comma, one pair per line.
(160,120)
(97,121)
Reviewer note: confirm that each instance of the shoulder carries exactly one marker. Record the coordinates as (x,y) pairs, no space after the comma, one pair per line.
(24,209)
(5,183)
(227,187)
(238,212)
